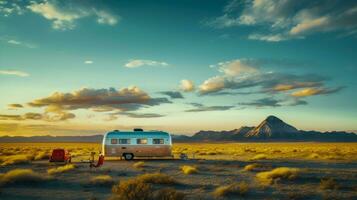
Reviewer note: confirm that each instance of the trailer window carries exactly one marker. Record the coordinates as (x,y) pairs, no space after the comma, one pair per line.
(141,141)
(124,141)
(158,141)
(114,141)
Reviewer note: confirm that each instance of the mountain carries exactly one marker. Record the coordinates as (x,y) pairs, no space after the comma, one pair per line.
(273,127)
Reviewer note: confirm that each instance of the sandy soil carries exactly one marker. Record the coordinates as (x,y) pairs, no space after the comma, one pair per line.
(212,174)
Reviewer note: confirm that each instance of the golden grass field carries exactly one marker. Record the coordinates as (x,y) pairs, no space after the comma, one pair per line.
(213,171)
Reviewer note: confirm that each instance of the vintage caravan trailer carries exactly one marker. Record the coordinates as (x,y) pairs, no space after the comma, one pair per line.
(137,143)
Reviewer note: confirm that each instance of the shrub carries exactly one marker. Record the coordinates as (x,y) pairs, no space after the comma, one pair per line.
(16,159)
(169,194)
(102,180)
(277,173)
(259,157)
(132,189)
(41,156)
(328,184)
(232,189)
(21,176)
(61,169)
(140,164)
(156,178)
(187,169)
(252,167)
(314,156)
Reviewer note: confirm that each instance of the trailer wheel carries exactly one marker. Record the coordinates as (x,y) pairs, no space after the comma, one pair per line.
(128,156)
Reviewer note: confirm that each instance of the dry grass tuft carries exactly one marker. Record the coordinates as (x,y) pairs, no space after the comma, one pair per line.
(268,177)
(102,180)
(169,194)
(16,159)
(61,169)
(260,157)
(328,184)
(41,156)
(252,167)
(22,176)
(156,178)
(232,189)
(187,169)
(132,189)
(140,164)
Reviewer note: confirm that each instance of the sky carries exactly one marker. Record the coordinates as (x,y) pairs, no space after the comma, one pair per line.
(88,67)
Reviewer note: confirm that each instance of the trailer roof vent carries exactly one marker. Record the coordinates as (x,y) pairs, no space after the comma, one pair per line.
(138,129)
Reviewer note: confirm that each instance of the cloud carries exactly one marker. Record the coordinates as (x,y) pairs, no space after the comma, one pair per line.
(15,42)
(88,62)
(15,106)
(289,19)
(172,94)
(10,117)
(237,67)
(14,73)
(99,100)
(202,108)
(268,38)
(246,74)
(264,102)
(187,85)
(140,63)
(315,91)
(63,14)
(142,115)
(62,116)
(8,8)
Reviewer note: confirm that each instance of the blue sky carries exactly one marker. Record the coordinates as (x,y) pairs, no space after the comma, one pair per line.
(179,66)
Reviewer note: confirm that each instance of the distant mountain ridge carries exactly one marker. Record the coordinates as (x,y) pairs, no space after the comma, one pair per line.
(273,129)
(270,129)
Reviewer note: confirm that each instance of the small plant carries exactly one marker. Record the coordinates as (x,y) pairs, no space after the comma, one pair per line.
(268,177)
(252,167)
(41,156)
(156,178)
(102,180)
(22,176)
(140,164)
(61,169)
(16,159)
(328,184)
(132,189)
(232,189)
(260,157)
(187,169)
(169,194)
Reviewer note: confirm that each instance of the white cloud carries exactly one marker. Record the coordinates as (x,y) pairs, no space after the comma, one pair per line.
(106,18)
(14,42)
(268,38)
(289,19)
(88,62)
(187,85)
(139,63)
(213,84)
(17,42)
(236,67)
(8,8)
(63,16)
(14,73)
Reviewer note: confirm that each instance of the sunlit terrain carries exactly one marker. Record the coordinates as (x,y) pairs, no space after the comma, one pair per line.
(222,170)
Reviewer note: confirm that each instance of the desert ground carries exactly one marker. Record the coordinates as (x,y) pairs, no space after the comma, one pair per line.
(213,171)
